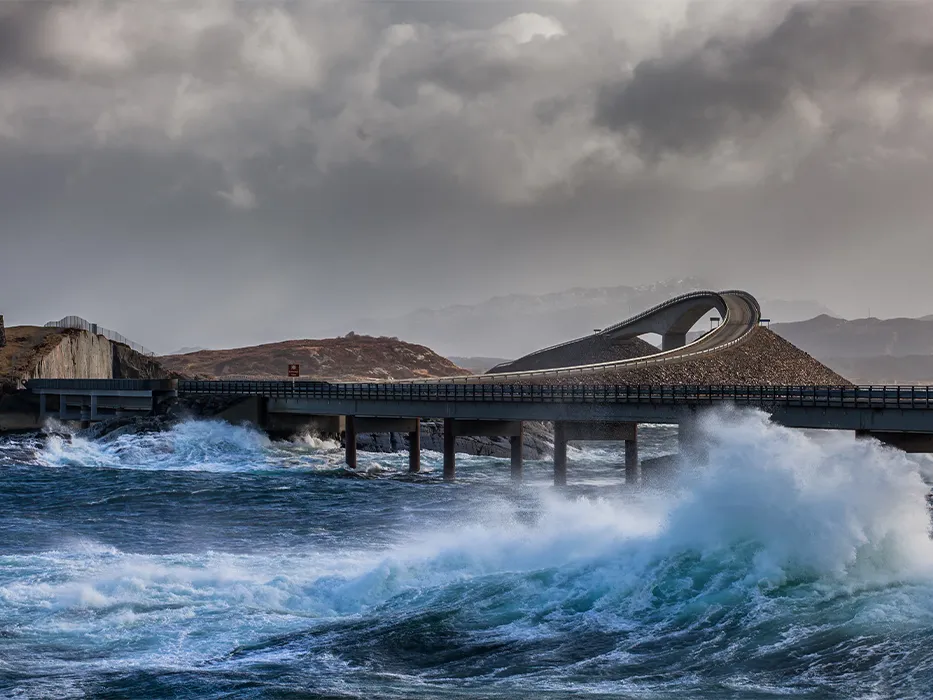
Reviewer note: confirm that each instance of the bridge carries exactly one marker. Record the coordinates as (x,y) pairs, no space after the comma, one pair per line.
(739,313)
(901,416)
(499,403)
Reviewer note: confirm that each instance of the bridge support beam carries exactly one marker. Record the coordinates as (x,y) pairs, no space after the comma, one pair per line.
(912,443)
(484,428)
(350,441)
(375,424)
(596,431)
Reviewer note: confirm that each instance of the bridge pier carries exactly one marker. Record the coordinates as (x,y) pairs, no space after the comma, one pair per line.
(349,441)
(596,431)
(560,454)
(454,428)
(632,467)
(672,341)
(912,443)
(354,425)
(517,444)
(414,449)
(450,458)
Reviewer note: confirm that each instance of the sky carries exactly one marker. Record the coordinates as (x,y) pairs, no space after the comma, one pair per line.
(214,173)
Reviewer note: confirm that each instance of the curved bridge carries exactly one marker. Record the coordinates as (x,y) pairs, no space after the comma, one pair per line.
(739,311)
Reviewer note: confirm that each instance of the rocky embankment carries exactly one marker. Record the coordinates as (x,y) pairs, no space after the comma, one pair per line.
(538,441)
(350,358)
(763,359)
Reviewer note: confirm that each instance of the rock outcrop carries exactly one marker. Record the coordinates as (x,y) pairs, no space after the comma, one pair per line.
(538,442)
(32,352)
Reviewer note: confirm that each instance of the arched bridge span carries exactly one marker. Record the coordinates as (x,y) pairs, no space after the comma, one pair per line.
(739,313)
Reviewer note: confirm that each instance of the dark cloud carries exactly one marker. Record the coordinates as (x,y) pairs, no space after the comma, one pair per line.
(227,172)
(22,39)
(734,87)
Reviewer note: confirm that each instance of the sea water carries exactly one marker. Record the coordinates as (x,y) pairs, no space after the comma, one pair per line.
(209,562)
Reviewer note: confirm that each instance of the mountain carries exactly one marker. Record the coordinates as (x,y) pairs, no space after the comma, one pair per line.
(887,369)
(350,358)
(511,326)
(828,337)
(477,365)
(186,350)
(868,350)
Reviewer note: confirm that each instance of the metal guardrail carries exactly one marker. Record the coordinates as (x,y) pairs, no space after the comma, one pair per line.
(78,323)
(102,384)
(900,397)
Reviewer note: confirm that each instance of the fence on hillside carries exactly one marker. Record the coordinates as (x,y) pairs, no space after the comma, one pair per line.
(84,325)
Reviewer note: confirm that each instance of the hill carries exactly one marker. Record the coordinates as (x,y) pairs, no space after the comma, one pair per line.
(349,358)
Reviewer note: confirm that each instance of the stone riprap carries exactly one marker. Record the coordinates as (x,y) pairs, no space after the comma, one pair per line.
(764,358)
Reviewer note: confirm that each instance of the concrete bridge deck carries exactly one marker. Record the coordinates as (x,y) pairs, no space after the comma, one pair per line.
(901,416)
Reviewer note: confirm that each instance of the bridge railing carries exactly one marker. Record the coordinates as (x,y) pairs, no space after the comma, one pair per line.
(903,397)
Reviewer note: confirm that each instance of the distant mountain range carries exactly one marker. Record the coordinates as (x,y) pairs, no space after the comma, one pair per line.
(826,336)
(513,325)
(868,350)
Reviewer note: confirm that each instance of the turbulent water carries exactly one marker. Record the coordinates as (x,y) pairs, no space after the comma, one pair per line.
(209,562)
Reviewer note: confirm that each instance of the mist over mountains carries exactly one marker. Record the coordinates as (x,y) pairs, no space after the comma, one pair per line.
(516,324)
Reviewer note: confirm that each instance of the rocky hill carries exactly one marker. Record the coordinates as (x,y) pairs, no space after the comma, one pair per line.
(349,358)
(33,352)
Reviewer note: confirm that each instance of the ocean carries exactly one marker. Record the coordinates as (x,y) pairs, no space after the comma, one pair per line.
(209,562)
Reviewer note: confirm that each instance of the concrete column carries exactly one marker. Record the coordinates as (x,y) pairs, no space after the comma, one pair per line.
(560,454)
(687,433)
(632,467)
(43,407)
(517,443)
(85,414)
(450,460)
(350,441)
(414,449)
(94,407)
(671,341)
(62,407)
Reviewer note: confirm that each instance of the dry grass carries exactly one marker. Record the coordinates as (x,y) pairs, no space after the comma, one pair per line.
(24,346)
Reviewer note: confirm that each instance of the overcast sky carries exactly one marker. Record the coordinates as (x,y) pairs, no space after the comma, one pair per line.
(208,172)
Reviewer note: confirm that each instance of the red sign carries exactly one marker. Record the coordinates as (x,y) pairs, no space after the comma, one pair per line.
(293,371)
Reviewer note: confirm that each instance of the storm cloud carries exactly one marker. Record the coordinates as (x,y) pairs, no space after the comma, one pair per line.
(297,165)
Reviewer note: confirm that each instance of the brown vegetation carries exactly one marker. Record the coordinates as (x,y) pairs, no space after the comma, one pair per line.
(350,358)
(24,346)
